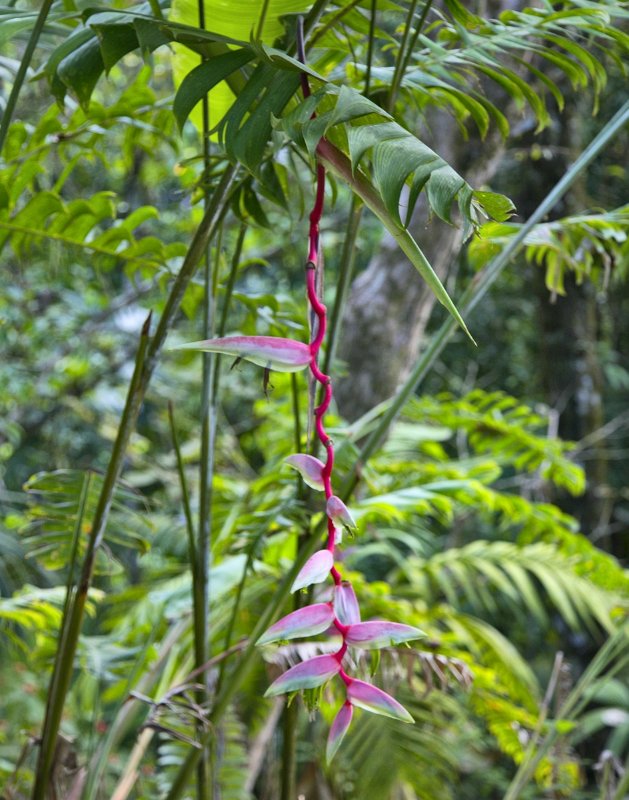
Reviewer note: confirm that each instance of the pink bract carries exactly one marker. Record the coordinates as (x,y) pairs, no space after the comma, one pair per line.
(315,570)
(272,352)
(306,621)
(367,696)
(306,675)
(338,730)
(310,469)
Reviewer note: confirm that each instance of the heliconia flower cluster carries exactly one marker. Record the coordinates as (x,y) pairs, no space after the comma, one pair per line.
(341,615)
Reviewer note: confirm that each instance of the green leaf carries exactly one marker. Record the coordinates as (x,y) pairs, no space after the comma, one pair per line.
(204,77)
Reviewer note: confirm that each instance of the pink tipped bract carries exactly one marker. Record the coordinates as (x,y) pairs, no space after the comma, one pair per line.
(345,604)
(310,469)
(338,730)
(376,634)
(315,570)
(306,621)
(272,352)
(367,696)
(306,675)
(339,513)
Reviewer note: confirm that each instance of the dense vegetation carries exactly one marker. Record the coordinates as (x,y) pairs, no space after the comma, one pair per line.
(156,175)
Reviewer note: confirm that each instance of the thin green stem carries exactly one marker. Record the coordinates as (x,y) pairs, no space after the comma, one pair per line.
(346,270)
(616,647)
(370,45)
(61,670)
(398,71)
(229,290)
(201,575)
(20,77)
(185,494)
(296,414)
(262,19)
(146,362)
(235,609)
(413,42)
(289,753)
(156,9)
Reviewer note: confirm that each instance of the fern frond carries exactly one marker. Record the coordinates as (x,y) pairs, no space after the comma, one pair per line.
(472,574)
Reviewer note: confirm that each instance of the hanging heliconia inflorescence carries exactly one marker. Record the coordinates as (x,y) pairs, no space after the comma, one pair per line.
(341,613)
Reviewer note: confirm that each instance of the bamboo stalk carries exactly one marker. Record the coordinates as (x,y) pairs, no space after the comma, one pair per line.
(25,63)
(146,361)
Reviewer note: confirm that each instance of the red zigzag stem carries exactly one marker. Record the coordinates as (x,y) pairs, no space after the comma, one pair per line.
(326,382)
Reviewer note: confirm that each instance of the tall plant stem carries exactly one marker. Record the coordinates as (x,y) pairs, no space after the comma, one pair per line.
(185,494)
(346,270)
(398,70)
(201,575)
(146,362)
(22,70)
(615,649)
(61,670)
(479,287)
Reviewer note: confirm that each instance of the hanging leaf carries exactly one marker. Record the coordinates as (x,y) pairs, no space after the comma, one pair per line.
(314,672)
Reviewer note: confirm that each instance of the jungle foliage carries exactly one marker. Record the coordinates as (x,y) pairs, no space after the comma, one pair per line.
(156,166)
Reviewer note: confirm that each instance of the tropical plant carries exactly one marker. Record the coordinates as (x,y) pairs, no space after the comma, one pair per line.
(185,567)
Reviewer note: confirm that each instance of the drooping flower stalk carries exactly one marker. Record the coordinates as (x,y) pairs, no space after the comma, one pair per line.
(343,613)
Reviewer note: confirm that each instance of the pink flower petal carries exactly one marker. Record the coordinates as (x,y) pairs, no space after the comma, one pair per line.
(376,634)
(310,469)
(365,695)
(273,352)
(305,621)
(339,513)
(338,730)
(306,675)
(345,604)
(315,570)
